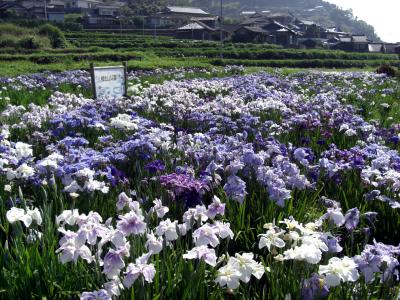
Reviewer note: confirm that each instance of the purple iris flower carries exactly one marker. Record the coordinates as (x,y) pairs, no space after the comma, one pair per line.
(185,187)
(314,288)
(235,188)
(379,259)
(352,218)
(155,166)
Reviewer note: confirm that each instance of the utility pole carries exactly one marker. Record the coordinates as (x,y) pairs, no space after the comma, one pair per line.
(143,25)
(45,10)
(221,35)
(155,25)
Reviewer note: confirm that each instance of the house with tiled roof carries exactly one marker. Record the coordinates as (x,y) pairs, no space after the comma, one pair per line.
(180,11)
(247,34)
(359,43)
(266,31)
(82,5)
(11,8)
(52,10)
(176,16)
(197,30)
(392,48)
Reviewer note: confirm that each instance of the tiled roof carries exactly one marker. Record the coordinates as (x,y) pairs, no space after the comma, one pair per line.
(186,10)
(204,18)
(255,29)
(191,26)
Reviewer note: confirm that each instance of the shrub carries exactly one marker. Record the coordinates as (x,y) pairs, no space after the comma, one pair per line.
(29,42)
(388,70)
(8,41)
(14,30)
(21,38)
(29,23)
(72,26)
(55,35)
(96,49)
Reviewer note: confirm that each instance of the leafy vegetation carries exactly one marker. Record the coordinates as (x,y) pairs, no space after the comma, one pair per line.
(55,35)
(23,38)
(12,36)
(147,52)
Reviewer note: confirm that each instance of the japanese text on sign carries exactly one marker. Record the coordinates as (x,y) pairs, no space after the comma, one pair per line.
(109,82)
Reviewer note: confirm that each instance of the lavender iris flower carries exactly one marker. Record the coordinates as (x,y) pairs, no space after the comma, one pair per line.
(352,218)
(96,295)
(113,263)
(131,223)
(235,188)
(379,259)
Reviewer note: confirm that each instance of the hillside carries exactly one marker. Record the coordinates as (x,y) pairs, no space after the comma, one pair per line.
(319,11)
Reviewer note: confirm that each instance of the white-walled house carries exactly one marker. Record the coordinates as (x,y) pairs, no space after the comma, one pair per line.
(83,4)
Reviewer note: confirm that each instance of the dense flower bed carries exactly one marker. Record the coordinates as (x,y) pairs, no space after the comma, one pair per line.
(259,186)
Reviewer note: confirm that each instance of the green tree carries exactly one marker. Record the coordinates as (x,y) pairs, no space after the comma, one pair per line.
(146,7)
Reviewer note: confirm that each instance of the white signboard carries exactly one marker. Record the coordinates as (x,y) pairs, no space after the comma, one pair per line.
(109,82)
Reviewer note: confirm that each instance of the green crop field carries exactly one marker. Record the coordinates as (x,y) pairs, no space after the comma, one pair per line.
(146,52)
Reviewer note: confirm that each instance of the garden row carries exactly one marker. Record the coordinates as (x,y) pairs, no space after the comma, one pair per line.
(274,54)
(175,47)
(126,42)
(241,51)
(43,58)
(49,58)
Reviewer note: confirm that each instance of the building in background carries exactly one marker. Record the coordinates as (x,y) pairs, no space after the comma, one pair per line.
(79,6)
(10,9)
(176,16)
(53,10)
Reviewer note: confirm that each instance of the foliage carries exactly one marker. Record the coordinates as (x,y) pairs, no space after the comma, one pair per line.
(143,51)
(29,42)
(388,70)
(12,29)
(55,35)
(13,36)
(145,7)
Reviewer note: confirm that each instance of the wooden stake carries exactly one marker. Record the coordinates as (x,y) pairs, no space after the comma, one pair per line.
(93,80)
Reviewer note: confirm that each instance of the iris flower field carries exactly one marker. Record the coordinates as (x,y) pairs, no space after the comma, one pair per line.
(201,186)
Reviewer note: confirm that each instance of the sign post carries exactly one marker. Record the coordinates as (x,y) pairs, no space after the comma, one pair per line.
(109,82)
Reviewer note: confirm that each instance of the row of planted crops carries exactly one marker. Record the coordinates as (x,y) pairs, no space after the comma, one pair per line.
(96,46)
(259,186)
